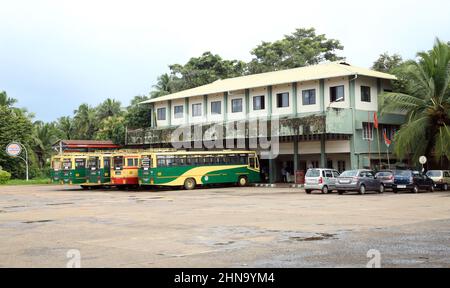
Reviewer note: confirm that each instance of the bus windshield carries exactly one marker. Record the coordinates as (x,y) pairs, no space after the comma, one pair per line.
(56,164)
(67,164)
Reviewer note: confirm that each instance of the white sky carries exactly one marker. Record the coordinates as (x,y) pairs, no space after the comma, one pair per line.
(86,51)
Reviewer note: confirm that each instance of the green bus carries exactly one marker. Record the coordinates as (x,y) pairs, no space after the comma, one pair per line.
(69,169)
(98,170)
(189,169)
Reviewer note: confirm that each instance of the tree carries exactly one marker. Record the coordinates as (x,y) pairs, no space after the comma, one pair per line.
(6,101)
(427,104)
(112,128)
(202,70)
(66,127)
(387,63)
(44,136)
(301,48)
(85,122)
(138,115)
(164,86)
(108,108)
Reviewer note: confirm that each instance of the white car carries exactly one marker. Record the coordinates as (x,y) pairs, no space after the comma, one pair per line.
(323,180)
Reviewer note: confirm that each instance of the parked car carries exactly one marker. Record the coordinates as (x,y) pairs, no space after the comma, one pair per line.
(414,181)
(323,180)
(386,177)
(441,178)
(360,181)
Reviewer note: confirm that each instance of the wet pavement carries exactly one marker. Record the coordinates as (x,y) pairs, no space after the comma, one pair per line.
(221,227)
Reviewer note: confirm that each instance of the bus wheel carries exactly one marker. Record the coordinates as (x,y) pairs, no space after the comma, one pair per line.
(242,182)
(85,187)
(189,184)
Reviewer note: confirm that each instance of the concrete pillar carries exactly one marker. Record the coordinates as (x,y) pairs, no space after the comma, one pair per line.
(353,157)
(323,156)
(296,152)
(169,114)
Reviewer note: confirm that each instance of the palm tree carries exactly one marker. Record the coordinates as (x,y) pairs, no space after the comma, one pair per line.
(44,135)
(109,108)
(163,86)
(66,127)
(5,100)
(85,122)
(426,104)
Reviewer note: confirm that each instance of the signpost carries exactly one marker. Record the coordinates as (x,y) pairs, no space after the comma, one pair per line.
(14,149)
(423,160)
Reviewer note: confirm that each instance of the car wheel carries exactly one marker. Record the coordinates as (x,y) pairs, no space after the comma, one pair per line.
(189,184)
(243,181)
(340,192)
(325,190)
(362,190)
(445,187)
(381,190)
(415,189)
(395,191)
(308,191)
(432,188)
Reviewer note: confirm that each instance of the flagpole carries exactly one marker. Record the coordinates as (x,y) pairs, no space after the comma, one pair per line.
(387,153)
(378,141)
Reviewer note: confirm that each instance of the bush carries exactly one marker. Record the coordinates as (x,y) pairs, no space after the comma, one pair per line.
(4,177)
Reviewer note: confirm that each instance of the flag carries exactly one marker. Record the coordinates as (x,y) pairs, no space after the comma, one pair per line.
(386,139)
(375,120)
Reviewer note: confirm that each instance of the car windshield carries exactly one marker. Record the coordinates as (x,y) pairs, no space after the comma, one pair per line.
(349,174)
(434,173)
(313,173)
(403,173)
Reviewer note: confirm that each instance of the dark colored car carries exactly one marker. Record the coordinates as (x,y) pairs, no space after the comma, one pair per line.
(386,177)
(360,181)
(414,181)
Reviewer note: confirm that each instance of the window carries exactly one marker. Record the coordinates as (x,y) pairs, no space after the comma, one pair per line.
(236,105)
(80,163)
(132,162)
(178,110)
(365,94)
(337,94)
(161,114)
(259,103)
(283,100)
(216,108)
(368,131)
(309,97)
(335,174)
(197,110)
(328,174)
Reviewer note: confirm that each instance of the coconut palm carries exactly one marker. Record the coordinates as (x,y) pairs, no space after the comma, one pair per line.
(5,100)
(85,122)
(109,108)
(426,104)
(44,135)
(163,86)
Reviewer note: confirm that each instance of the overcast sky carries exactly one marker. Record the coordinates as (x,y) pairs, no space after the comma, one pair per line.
(55,55)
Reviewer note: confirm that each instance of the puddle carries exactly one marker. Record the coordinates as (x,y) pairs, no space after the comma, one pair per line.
(37,221)
(59,204)
(317,237)
(13,207)
(224,243)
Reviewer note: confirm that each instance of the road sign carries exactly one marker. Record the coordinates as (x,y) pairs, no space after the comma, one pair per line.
(13,149)
(423,160)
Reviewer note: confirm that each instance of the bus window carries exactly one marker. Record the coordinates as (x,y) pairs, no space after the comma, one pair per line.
(67,164)
(243,159)
(251,162)
(93,163)
(118,162)
(80,163)
(161,161)
(132,162)
(136,162)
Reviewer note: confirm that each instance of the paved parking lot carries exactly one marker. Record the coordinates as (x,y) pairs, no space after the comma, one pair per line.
(221,227)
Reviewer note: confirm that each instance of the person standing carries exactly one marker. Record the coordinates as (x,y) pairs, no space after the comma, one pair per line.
(283,174)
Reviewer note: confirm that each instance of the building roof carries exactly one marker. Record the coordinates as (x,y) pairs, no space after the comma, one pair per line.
(87,144)
(314,72)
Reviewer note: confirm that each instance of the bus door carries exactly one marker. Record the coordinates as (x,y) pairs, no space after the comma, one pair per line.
(93,169)
(118,165)
(66,172)
(253,162)
(56,170)
(80,171)
(145,170)
(106,171)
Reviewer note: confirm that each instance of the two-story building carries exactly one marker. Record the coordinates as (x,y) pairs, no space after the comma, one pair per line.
(325,113)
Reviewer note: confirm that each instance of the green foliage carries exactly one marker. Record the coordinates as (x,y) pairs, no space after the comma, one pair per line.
(4,177)
(85,122)
(199,71)
(138,115)
(112,128)
(387,63)
(5,101)
(426,100)
(301,48)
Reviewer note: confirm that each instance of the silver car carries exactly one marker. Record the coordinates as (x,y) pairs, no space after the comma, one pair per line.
(323,180)
(360,181)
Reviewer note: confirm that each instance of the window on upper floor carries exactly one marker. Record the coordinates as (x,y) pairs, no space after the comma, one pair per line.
(309,97)
(337,94)
(197,110)
(283,100)
(161,114)
(178,111)
(367,131)
(259,103)
(216,108)
(365,94)
(236,105)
